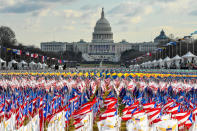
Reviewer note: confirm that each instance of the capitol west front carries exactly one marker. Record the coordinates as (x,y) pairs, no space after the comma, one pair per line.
(102,46)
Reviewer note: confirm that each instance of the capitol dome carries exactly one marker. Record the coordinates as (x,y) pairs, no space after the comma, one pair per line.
(102,30)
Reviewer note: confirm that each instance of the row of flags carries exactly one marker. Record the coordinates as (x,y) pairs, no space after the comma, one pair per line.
(110,119)
(32,55)
(174,43)
(110,74)
(154,104)
(164,47)
(29,102)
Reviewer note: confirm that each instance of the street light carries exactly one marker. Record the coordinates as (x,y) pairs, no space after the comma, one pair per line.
(180,47)
(192,41)
(1,44)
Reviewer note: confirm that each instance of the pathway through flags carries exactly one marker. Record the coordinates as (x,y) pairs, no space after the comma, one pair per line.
(107,101)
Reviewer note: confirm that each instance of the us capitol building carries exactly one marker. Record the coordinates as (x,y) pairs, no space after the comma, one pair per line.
(102,47)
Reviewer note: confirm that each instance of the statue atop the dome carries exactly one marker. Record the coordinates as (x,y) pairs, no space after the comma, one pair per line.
(102,14)
(102,30)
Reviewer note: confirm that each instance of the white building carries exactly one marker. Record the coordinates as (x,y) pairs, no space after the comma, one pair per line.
(102,47)
(147,46)
(53,46)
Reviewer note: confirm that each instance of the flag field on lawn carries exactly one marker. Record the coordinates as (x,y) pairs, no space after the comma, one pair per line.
(98,100)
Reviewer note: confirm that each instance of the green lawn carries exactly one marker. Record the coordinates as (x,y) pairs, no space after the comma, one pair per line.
(98,65)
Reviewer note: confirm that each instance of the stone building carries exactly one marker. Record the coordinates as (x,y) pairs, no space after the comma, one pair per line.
(102,47)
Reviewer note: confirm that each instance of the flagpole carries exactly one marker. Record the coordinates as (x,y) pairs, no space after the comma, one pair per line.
(180,47)
(4,112)
(0,49)
(164,53)
(193,45)
(176,50)
(6,56)
(21,54)
(160,53)
(155,55)
(187,46)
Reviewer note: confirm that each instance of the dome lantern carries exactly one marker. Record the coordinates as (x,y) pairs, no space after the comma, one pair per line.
(102,30)
(102,14)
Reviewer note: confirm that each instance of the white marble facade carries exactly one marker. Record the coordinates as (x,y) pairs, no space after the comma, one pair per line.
(102,47)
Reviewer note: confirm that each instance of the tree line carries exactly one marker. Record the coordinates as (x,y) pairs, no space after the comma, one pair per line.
(8,41)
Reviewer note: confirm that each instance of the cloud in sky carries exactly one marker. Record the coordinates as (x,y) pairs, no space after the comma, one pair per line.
(126,9)
(22,8)
(194,12)
(25,6)
(130,12)
(89,7)
(70,14)
(75,19)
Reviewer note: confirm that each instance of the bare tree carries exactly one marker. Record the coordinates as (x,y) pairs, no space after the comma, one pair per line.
(7,36)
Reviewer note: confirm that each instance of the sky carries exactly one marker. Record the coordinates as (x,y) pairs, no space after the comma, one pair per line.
(36,21)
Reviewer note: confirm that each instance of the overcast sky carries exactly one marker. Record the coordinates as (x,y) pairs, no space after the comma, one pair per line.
(36,21)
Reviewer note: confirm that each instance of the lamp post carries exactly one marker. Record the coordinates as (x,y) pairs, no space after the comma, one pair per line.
(190,42)
(0,47)
(1,44)
(180,47)
(193,42)
(187,46)
(160,53)
(193,46)
(176,49)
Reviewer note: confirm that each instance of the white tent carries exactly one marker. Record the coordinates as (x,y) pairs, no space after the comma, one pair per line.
(2,64)
(177,57)
(32,65)
(53,67)
(146,65)
(12,64)
(61,67)
(143,65)
(39,66)
(157,62)
(176,60)
(44,66)
(131,66)
(154,63)
(188,56)
(168,61)
(161,63)
(136,66)
(22,65)
(149,64)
